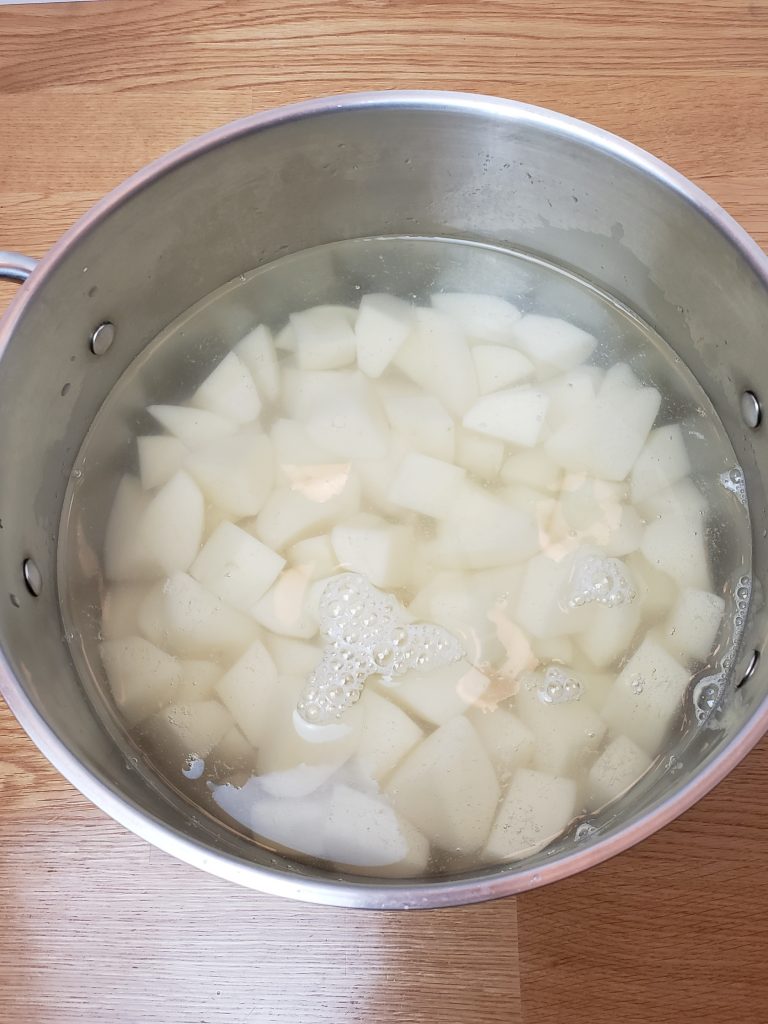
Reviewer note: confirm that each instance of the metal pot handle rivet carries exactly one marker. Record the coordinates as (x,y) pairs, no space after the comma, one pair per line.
(32,577)
(15,267)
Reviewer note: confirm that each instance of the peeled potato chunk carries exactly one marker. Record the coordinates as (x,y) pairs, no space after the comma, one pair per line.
(248,690)
(383,323)
(619,766)
(236,567)
(142,677)
(229,391)
(537,808)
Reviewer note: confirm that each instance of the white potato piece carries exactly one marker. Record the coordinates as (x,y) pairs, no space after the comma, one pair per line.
(552,342)
(362,830)
(557,648)
(198,681)
(188,730)
(662,462)
(233,748)
(481,455)
(170,530)
(507,740)
(422,420)
(290,515)
(285,339)
(383,323)
(541,608)
(236,566)
(160,458)
(567,735)
(381,551)
(441,694)
(537,808)
(426,485)
(183,617)
(484,317)
(693,624)
(655,591)
(498,367)
(647,696)
(293,448)
(622,419)
(515,415)
(257,352)
(341,412)
(283,609)
(447,784)
(120,610)
(533,469)
(229,391)
(414,863)
(678,549)
(481,531)
(296,824)
(570,394)
(324,338)
(293,657)
(620,766)
(609,632)
(125,559)
(314,556)
(142,678)
(437,357)
(387,734)
(235,473)
(248,691)
(625,534)
(377,475)
(192,427)
(682,500)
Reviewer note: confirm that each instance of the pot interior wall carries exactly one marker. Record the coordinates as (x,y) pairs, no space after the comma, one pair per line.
(499,174)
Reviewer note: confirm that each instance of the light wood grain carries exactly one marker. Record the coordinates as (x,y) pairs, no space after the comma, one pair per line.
(95,925)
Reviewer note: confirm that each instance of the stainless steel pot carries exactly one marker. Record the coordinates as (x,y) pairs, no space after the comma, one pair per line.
(413,163)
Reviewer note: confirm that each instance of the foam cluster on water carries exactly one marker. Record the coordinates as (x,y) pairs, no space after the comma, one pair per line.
(367,632)
(558,687)
(733,481)
(708,691)
(601,580)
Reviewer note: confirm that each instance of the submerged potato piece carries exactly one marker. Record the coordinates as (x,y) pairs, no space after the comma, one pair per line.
(422,420)
(566,735)
(160,458)
(377,475)
(142,678)
(552,342)
(426,485)
(314,555)
(447,784)
(192,427)
(379,550)
(198,681)
(183,617)
(235,473)
(296,824)
(170,529)
(283,609)
(662,463)
(678,549)
(655,591)
(236,566)
(125,559)
(542,607)
(437,357)
(570,394)
(414,863)
(533,469)
(362,829)
(257,351)
(383,323)
(515,415)
(537,808)
(647,696)
(480,531)
(120,610)
(387,734)
(248,690)
(498,367)
(233,748)
(341,412)
(293,447)
(229,391)
(619,766)
(293,657)
(290,515)
(324,338)
(508,742)
(482,317)
(609,632)
(693,624)
(188,730)
(480,455)
(441,694)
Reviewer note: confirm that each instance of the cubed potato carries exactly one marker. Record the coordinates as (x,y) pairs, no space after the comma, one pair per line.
(426,485)
(441,694)
(233,749)
(295,824)
(257,352)
(541,608)
(324,338)
(290,515)
(142,678)
(682,500)
(187,730)
(293,448)
(596,688)
(377,476)
(609,632)
(414,863)
(120,610)
(160,458)
(647,696)
(314,556)
(305,390)
(620,766)
(235,473)
(341,412)
(229,391)
(198,681)
(555,648)
(362,830)
(447,784)
(381,551)
(515,415)
(662,463)
(170,529)
(192,427)
(566,735)
(422,420)
(387,734)
(481,317)
(678,549)
(534,469)
(508,742)
(625,533)
(537,808)
(481,531)
(293,657)
(236,566)
(481,455)
(622,419)
(499,367)
(283,609)
(302,780)
(285,339)
(692,627)
(570,394)
(125,558)
(183,617)
(383,323)
(248,691)
(437,357)
(553,343)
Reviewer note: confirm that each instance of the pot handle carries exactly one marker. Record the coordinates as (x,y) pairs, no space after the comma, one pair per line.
(15,267)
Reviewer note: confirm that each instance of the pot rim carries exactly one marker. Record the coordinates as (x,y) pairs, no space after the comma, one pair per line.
(359,892)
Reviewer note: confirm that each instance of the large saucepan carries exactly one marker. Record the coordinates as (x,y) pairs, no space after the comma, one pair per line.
(379,163)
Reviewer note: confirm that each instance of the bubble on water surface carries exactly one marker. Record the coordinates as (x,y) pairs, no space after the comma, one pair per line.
(558,687)
(604,581)
(733,481)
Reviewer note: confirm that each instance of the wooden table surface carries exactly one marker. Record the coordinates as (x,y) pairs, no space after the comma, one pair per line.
(96,926)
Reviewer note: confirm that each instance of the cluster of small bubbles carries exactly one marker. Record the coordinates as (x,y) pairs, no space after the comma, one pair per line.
(733,481)
(194,766)
(707,694)
(637,684)
(673,764)
(367,633)
(557,687)
(584,832)
(602,580)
